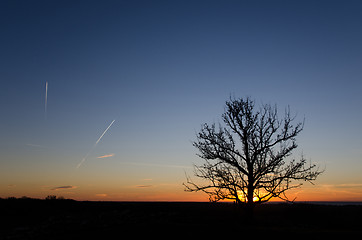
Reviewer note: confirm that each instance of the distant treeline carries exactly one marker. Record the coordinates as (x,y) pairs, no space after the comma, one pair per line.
(48,198)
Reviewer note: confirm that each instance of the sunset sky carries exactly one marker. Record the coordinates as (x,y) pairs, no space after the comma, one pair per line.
(160,69)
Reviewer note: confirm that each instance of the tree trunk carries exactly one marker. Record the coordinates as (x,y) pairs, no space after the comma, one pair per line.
(250,201)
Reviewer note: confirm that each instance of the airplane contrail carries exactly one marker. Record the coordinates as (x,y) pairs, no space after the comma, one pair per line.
(104,132)
(83,160)
(46,98)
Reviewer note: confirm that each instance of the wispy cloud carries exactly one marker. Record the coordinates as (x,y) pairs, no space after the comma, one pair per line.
(64,187)
(143,186)
(101,195)
(342,185)
(107,155)
(348,185)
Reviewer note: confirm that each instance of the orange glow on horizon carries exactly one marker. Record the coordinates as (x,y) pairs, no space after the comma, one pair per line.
(169,192)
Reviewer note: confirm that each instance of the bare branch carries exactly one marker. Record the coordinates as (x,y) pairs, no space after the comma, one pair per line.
(247,160)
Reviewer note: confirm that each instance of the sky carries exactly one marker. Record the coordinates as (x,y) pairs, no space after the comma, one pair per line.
(120,89)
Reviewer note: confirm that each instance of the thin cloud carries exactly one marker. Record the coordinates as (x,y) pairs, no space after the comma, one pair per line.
(144,186)
(64,187)
(348,185)
(107,155)
(101,195)
(343,185)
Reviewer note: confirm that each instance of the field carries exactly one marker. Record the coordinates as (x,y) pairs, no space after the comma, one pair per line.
(68,219)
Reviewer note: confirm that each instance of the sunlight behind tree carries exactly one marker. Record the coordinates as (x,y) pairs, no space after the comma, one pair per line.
(249,160)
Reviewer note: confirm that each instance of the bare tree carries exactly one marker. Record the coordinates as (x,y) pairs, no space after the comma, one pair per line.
(249,160)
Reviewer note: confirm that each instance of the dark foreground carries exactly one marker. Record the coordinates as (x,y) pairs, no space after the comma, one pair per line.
(68,219)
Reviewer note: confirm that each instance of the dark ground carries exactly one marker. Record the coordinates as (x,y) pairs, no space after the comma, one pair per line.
(68,219)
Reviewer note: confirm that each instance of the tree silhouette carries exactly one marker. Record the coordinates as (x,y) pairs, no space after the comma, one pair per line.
(249,159)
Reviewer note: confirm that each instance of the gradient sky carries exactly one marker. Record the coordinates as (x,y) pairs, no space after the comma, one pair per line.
(160,69)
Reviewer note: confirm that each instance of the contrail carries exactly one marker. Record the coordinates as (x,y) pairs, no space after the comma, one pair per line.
(104,132)
(81,162)
(46,98)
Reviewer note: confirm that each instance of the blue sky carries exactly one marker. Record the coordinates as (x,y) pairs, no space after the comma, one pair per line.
(161,69)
